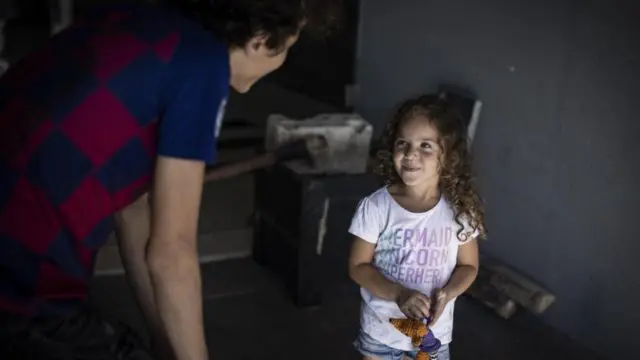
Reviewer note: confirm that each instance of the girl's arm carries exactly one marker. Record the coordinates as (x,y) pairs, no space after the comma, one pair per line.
(462,277)
(465,272)
(364,274)
(412,303)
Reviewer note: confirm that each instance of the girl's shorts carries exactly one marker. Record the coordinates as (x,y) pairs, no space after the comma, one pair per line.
(369,346)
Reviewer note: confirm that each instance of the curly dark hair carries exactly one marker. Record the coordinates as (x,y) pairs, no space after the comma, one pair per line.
(237,21)
(456,177)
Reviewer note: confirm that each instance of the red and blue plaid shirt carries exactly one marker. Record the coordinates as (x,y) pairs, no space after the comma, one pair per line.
(82,120)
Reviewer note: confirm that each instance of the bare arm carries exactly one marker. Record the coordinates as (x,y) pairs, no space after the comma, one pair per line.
(225,171)
(462,277)
(298,149)
(172,254)
(364,274)
(411,302)
(132,228)
(465,272)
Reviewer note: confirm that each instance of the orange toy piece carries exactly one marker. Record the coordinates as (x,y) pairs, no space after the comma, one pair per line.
(421,336)
(415,329)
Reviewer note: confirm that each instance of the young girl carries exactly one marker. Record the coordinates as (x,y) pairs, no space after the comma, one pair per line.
(415,249)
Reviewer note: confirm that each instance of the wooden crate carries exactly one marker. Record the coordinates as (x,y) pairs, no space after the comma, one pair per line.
(300,227)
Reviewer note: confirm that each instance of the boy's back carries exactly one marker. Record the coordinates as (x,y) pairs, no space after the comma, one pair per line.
(79,125)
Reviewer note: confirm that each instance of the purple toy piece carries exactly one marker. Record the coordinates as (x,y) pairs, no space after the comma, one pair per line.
(429,342)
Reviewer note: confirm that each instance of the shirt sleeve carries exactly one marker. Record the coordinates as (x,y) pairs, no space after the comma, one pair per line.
(366,223)
(194,108)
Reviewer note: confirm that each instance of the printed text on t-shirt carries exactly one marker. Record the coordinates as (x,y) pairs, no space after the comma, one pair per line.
(415,256)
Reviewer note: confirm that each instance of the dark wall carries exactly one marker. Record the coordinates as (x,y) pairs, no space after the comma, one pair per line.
(557,147)
(323,68)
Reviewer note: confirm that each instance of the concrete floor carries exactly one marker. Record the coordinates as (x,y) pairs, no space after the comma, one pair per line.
(249,316)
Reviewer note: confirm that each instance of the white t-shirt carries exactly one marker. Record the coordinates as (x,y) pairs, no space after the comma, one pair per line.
(416,250)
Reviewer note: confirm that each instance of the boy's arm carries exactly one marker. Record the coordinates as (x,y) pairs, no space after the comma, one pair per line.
(225,171)
(192,101)
(172,256)
(132,229)
(297,149)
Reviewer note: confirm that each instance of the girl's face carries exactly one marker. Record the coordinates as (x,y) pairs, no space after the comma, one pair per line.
(416,152)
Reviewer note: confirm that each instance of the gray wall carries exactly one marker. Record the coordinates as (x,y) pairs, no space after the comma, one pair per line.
(557,147)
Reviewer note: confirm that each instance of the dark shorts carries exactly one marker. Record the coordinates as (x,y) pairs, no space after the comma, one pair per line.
(84,336)
(368,346)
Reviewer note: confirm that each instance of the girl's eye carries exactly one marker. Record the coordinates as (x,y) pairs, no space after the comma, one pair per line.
(400,143)
(426,146)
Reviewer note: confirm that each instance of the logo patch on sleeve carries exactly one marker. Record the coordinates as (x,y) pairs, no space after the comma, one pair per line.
(220,116)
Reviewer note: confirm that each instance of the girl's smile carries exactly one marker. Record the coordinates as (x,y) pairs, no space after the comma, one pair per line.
(410,168)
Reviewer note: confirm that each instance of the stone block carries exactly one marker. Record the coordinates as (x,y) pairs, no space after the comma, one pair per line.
(346,139)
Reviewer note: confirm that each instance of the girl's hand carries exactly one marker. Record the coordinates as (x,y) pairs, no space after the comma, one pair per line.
(440,300)
(414,304)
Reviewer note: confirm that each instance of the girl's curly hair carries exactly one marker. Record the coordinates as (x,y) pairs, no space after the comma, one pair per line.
(456,178)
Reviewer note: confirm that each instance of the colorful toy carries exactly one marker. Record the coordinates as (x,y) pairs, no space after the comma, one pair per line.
(421,337)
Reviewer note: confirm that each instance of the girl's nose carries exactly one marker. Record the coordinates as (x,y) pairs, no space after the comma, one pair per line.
(411,152)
